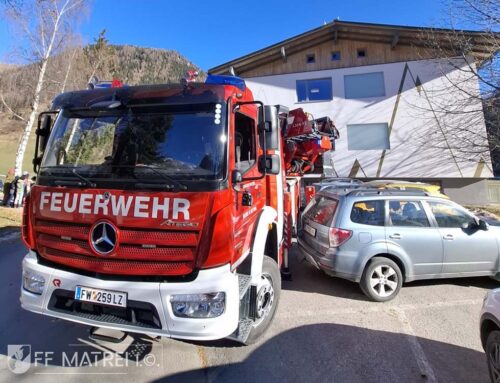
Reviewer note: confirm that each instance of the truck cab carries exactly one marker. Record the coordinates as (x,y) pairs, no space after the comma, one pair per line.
(158,209)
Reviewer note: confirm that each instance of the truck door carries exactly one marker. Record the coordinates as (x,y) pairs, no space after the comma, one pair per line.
(249,196)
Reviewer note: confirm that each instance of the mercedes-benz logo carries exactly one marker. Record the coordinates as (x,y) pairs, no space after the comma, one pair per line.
(103,238)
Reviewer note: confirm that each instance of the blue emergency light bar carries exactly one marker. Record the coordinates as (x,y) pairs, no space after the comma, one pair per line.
(226,80)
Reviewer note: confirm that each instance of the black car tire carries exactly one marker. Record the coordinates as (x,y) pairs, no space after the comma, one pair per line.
(492,350)
(388,275)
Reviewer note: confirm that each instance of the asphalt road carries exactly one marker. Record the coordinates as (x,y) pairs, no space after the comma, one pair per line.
(324,331)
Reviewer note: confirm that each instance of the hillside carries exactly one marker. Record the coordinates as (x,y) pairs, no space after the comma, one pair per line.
(70,70)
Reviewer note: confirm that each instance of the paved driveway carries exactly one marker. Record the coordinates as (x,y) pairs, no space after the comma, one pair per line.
(324,331)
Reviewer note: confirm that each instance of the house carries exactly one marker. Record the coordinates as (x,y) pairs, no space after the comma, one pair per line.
(404,99)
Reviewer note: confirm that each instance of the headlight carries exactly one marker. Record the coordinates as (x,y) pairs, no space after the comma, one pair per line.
(198,305)
(33,282)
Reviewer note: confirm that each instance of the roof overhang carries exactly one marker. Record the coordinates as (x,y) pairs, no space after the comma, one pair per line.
(480,44)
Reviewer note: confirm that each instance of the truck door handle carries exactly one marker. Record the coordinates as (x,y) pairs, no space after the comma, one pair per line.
(448,237)
(395,236)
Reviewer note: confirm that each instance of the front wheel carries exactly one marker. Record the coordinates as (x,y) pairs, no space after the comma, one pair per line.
(268,296)
(381,280)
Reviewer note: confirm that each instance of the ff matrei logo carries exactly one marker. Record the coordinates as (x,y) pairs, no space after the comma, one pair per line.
(19,358)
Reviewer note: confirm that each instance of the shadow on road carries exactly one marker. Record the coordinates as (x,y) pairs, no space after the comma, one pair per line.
(340,353)
(307,278)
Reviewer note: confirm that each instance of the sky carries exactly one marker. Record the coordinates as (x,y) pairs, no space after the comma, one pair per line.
(209,33)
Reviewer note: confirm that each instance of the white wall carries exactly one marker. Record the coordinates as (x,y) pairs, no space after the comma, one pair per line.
(424,141)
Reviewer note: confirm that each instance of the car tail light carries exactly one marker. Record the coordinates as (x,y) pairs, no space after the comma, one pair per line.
(338,236)
(26,229)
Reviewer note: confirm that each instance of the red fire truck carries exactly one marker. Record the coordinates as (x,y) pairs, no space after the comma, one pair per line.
(166,209)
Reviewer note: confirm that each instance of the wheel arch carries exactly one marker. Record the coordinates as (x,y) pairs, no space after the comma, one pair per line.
(397,260)
(488,324)
(264,236)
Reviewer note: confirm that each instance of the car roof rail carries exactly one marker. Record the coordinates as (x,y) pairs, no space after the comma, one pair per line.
(387,192)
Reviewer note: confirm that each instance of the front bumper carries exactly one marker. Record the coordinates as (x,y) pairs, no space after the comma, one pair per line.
(155,295)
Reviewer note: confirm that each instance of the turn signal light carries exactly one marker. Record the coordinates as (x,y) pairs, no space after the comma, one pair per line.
(26,231)
(338,236)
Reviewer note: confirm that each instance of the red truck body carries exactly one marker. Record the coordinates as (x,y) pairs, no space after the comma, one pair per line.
(203,251)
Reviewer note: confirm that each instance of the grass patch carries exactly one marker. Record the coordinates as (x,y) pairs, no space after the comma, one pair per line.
(8,149)
(10,218)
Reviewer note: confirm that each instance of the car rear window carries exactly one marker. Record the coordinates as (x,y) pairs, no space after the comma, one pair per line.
(322,210)
(368,213)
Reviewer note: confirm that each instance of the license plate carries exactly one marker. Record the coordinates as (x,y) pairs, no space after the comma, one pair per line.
(105,297)
(310,230)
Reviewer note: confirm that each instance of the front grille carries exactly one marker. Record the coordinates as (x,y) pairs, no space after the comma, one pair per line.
(138,314)
(139,252)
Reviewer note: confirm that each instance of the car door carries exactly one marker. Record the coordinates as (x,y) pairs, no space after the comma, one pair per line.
(466,250)
(410,231)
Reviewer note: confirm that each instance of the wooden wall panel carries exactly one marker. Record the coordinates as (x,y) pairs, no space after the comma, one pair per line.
(376,53)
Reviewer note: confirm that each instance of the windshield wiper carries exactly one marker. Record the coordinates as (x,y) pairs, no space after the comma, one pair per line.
(82,183)
(156,170)
(88,182)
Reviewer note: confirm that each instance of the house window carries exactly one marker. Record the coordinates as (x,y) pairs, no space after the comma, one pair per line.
(336,56)
(368,136)
(361,53)
(364,85)
(311,59)
(318,89)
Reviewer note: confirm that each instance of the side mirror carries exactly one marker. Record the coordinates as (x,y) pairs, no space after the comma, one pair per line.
(269,164)
(43,131)
(270,128)
(42,137)
(483,225)
(236,177)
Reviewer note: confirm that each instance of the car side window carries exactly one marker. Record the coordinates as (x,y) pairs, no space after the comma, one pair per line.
(449,216)
(368,213)
(407,214)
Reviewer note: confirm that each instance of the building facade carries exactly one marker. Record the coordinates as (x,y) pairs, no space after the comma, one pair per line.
(403,111)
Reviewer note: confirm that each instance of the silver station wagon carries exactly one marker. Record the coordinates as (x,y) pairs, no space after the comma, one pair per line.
(381,239)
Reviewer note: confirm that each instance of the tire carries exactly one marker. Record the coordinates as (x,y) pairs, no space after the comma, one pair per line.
(492,350)
(381,279)
(271,272)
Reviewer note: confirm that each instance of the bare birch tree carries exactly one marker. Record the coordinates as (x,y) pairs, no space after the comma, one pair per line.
(42,27)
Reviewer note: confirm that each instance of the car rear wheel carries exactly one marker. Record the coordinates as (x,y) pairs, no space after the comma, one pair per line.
(381,280)
(493,355)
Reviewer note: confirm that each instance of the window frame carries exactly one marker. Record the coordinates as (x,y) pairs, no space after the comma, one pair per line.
(365,53)
(306,82)
(336,59)
(384,219)
(388,220)
(372,123)
(256,142)
(450,204)
(310,58)
(352,75)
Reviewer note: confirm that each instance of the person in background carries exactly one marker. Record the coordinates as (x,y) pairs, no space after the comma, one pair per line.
(18,201)
(7,186)
(27,184)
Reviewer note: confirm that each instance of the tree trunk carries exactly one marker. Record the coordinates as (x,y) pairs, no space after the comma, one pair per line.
(21,150)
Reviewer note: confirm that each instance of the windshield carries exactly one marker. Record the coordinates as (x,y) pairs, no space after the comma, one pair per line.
(147,142)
